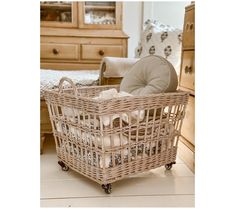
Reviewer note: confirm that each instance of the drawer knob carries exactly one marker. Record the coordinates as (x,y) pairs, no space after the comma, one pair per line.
(101,52)
(188,69)
(55,51)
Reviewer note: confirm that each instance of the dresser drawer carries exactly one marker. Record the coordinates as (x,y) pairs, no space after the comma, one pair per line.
(189,29)
(188,126)
(97,52)
(59,51)
(187,75)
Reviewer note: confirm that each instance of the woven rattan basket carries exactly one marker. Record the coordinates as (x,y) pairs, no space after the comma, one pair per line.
(107,140)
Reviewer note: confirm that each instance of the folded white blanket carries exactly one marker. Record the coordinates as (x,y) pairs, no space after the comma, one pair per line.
(116,139)
(71,113)
(108,140)
(113,93)
(116,66)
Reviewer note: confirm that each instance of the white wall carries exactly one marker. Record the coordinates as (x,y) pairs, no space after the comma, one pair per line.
(132,23)
(168,12)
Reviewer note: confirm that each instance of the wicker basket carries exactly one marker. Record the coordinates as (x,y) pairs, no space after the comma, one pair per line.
(107,140)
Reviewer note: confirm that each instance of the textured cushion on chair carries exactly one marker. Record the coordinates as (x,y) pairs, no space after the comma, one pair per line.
(162,40)
(150,75)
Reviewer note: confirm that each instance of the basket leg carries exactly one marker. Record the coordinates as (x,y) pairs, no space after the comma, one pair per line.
(169,165)
(107,188)
(63,166)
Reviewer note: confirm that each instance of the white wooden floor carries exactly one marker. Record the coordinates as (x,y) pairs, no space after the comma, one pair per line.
(155,188)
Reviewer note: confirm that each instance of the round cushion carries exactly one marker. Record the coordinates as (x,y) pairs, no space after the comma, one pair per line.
(150,75)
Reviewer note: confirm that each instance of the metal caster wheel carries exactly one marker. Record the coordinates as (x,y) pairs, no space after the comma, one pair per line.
(169,166)
(107,188)
(63,166)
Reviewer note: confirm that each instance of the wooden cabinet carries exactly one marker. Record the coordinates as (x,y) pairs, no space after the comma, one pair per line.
(58,14)
(77,35)
(187,82)
(100,15)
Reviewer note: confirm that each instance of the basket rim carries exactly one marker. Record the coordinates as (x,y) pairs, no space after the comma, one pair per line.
(127,98)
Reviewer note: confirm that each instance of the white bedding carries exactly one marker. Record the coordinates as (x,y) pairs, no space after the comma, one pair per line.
(50,78)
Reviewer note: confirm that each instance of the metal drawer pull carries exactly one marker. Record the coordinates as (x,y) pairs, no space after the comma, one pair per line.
(55,51)
(187,26)
(101,52)
(191,26)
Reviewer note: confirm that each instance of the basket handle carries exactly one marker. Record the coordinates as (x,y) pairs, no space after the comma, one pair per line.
(62,80)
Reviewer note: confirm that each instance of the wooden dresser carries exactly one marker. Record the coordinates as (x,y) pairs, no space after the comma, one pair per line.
(76,36)
(186,149)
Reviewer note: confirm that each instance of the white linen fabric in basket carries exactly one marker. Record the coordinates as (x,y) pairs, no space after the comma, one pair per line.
(106,119)
(118,139)
(113,93)
(51,78)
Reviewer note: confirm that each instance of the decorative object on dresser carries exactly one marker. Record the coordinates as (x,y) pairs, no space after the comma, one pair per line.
(76,36)
(187,82)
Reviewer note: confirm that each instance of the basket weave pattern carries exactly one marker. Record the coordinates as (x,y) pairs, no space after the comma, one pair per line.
(129,144)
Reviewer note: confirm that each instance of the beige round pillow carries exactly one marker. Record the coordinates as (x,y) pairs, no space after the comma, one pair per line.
(150,75)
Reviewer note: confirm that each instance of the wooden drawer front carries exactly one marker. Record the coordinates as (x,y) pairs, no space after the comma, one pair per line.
(97,52)
(59,51)
(189,29)
(188,126)
(187,77)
